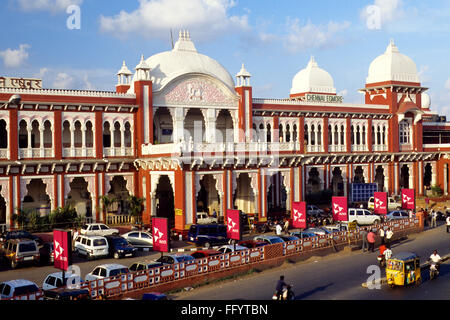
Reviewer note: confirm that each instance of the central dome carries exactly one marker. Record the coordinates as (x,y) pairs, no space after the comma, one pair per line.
(313,79)
(392,66)
(183,59)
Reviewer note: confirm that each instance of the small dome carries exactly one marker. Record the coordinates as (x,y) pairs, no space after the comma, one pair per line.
(313,79)
(392,66)
(183,59)
(124,70)
(426,101)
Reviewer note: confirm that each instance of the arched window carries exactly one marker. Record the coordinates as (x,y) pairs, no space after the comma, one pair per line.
(404,132)
(269,134)
(3,135)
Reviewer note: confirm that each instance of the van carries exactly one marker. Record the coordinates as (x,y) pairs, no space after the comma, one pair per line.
(20,251)
(55,280)
(14,288)
(91,246)
(207,234)
(363,217)
(392,204)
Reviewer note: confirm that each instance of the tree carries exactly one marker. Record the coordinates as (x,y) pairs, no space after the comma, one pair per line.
(107,201)
(65,217)
(136,206)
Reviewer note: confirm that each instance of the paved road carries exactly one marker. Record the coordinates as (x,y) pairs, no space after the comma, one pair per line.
(338,276)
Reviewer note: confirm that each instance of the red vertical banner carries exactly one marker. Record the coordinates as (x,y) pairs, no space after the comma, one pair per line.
(62,244)
(408,199)
(160,228)
(233,225)
(299,218)
(340,208)
(380,203)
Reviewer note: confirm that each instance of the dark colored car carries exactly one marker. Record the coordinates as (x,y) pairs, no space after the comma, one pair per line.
(66,294)
(289,238)
(252,243)
(175,258)
(205,253)
(154,296)
(20,234)
(47,254)
(120,247)
(208,234)
(303,235)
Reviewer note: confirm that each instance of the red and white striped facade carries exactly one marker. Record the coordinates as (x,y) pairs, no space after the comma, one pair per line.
(255,154)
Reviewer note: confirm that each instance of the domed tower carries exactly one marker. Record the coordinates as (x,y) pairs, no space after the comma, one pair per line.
(393,80)
(123,79)
(313,80)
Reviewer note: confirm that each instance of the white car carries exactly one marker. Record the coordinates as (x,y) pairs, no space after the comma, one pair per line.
(313,210)
(139,238)
(91,246)
(204,218)
(54,280)
(363,217)
(20,287)
(230,248)
(392,204)
(106,271)
(98,229)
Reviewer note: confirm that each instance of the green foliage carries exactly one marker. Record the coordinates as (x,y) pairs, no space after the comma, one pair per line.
(107,202)
(437,191)
(136,206)
(63,217)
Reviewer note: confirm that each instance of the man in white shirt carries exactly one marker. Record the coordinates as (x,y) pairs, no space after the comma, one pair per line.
(278,229)
(389,234)
(433,218)
(435,259)
(448,223)
(387,254)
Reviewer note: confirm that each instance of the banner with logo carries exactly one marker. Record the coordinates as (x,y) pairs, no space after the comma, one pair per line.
(160,233)
(408,199)
(299,218)
(380,202)
(340,208)
(233,225)
(62,249)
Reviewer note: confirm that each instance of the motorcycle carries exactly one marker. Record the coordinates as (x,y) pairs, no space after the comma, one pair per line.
(381,260)
(434,270)
(287,294)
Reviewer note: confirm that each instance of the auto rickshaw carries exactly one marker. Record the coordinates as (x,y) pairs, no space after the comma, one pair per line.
(403,269)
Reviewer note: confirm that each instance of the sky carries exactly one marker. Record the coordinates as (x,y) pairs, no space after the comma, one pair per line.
(80,44)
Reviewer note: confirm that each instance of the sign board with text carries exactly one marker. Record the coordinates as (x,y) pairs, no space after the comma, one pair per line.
(160,233)
(233,225)
(62,249)
(380,202)
(408,199)
(339,208)
(299,215)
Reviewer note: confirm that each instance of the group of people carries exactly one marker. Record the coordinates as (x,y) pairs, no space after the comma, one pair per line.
(281,226)
(369,238)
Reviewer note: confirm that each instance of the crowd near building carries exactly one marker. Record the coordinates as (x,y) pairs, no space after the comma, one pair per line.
(185,135)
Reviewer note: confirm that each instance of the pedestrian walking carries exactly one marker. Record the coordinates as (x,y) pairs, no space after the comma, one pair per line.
(371,240)
(286,226)
(382,234)
(278,229)
(389,235)
(448,223)
(433,218)
(365,244)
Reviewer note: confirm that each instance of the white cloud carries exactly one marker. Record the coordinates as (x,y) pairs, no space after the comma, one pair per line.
(47,5)
(154,19)
(447,84)
(64,81)
(77,80)
(301,38)
(13,58)
(382,12)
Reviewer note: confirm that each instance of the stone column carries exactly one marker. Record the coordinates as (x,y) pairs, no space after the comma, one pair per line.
(41,140)
(72,140)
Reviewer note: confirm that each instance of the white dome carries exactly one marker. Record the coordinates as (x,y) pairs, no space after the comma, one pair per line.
(313,79)
(392,66)
(426,101)
(183,59)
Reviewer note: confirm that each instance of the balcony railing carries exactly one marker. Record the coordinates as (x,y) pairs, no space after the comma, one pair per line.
(359,147)
(4,153)
(337,148)
(36,153)
(117,152)
(379,148)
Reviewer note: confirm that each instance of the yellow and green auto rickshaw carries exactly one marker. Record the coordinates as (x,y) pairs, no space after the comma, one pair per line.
(403,269)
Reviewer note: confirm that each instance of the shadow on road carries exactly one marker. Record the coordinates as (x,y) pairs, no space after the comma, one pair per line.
(311,292)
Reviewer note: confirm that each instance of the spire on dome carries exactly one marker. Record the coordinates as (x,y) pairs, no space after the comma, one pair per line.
(142,70)
(184,42)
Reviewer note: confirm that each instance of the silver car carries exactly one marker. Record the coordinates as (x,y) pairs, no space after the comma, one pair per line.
(142,239)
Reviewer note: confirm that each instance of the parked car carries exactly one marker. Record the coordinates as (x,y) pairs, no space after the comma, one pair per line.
(363,217)
(397,214)
(14,288)
(268,239)
(20,251)
(337,227)
(287,238)
(106,271)
(141,239)
(207,235)
(231,248)
(55,280)
(175,258)
(205,253)
(119,247)
(144,265)
(392,204)
(154,296)
(313,210)
(65,294)
(47,253)
(91,246)
(303,234)
(204,218)
(97,229)
(20,234)
(318,231)
(252,243)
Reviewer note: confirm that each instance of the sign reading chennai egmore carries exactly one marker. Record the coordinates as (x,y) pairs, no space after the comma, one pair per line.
(62,244)
(339,207)
(233,225)
(408,201)
(299,217)
(160,234)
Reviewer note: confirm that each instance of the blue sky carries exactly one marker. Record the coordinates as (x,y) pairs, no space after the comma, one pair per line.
(274,39)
